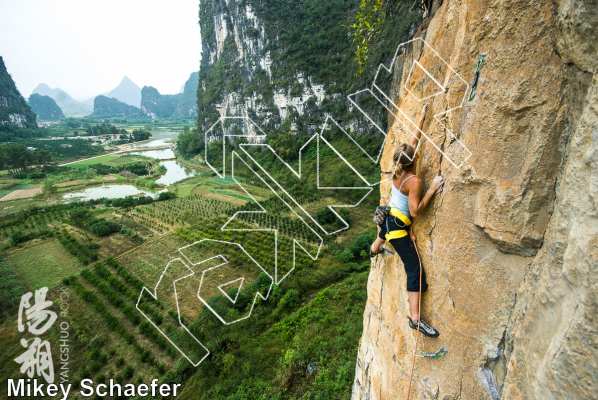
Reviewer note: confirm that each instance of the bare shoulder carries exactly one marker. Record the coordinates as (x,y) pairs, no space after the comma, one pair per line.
(414,183)
(413,180)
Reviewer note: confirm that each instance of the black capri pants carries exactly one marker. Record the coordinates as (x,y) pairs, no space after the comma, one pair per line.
(405,248)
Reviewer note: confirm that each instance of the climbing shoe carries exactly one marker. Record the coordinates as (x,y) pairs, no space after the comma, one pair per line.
(424,328)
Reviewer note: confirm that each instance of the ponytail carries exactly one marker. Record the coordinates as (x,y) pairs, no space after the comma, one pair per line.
(403,159)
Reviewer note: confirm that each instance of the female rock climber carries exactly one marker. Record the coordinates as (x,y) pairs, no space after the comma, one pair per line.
(406,203)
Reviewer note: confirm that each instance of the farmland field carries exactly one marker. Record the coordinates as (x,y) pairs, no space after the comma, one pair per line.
(19,194)
(44,264)
(97,160)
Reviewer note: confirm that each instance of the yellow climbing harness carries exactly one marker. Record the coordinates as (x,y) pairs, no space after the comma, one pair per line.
(402,232)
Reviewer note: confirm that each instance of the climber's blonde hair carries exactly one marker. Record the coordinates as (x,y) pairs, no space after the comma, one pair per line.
(404,159)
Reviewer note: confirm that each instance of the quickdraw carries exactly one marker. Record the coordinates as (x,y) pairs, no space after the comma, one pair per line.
(475,77)
(438,354)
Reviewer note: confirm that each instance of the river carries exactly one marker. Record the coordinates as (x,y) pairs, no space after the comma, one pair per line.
(174,172)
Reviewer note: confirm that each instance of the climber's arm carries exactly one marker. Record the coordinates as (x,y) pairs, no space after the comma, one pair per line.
(420,125)
(416,203)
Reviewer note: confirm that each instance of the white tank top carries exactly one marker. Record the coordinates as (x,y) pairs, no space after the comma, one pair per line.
(399,201)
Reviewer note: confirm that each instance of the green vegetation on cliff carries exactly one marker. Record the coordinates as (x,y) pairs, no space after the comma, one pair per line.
(308,40)
(370,22)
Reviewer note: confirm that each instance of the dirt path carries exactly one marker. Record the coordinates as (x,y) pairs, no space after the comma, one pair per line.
(18,194)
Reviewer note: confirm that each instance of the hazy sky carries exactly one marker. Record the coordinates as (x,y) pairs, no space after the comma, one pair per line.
(85,47)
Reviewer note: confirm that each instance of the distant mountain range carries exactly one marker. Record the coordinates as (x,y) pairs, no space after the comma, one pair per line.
(67,104)
(127,92)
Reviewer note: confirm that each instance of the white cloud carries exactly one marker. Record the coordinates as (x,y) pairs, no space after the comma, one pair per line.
(85,47)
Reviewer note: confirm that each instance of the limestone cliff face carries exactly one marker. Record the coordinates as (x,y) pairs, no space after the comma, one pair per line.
(287,65)
(510,245)
(235,52)
(14,110)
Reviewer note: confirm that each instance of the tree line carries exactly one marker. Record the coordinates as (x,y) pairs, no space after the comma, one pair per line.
(111,130)
(20,156)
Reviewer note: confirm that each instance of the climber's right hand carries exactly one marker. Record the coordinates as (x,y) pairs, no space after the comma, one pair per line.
(437,183)
(425,109)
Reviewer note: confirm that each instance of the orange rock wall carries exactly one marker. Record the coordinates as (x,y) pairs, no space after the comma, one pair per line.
(509,245)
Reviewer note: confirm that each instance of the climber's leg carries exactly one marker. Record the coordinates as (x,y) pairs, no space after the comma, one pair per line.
(376,246)
(375,249)
(405,248)
(414,305)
